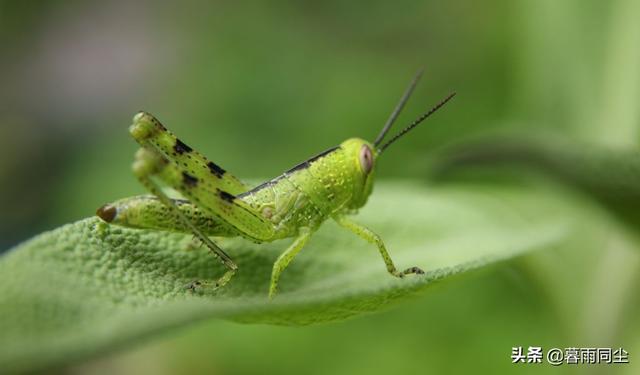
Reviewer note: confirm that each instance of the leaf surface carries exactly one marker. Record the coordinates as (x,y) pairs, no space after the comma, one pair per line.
(89,287)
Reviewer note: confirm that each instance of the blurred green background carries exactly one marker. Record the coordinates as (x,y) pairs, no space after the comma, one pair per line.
(260,86)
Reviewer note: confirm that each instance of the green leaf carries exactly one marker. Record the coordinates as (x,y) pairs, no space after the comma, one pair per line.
(88,287)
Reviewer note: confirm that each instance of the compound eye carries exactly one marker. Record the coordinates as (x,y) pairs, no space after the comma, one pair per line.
(366,159)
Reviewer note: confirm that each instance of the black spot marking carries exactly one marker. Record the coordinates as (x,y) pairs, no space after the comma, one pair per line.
(189,180)
(226,196)
(154,120)
(158,124)
(216,169)
(181,148)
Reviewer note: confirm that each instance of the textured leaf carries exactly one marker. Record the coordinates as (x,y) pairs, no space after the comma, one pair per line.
(87,287)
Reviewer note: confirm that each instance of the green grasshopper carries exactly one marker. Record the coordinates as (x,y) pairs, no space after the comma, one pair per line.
(332,184)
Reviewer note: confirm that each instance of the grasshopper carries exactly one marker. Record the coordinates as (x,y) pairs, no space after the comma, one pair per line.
(332,184)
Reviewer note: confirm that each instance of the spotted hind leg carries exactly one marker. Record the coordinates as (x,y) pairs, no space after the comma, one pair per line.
(148,164)
(204,183)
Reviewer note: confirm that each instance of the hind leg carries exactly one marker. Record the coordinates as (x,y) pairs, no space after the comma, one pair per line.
(148,164)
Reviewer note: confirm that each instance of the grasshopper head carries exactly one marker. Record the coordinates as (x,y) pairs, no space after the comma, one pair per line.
(362,156)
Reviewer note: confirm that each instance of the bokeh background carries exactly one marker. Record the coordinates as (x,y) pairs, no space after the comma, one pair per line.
(260,86)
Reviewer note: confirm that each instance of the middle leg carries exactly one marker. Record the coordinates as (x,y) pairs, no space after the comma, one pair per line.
(286,257)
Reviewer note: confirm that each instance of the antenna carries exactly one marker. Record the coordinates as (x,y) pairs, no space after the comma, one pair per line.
(396,111)
(417,121)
